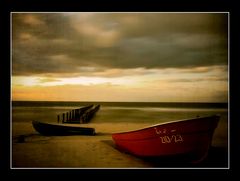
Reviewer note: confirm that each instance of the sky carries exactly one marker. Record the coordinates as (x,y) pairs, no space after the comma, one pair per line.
(127,57)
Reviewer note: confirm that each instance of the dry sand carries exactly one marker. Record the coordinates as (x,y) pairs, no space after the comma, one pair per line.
(37,151)
(71,151)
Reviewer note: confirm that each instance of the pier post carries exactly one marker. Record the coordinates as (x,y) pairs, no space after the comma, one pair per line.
(58,118)
(67,117)
(77,114)
(73,116)
(63,117)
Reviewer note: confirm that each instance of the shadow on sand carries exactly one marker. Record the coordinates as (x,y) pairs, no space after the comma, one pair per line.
(217,158)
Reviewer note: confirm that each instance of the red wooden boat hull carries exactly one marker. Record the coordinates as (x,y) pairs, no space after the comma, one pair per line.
(186,137)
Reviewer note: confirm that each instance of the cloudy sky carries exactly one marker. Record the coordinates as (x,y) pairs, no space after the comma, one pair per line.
(120,57)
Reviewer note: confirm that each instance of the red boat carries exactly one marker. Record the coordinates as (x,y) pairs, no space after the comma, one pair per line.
(190,137)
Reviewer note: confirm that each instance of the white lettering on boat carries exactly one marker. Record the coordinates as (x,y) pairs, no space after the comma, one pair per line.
(175,138)
(160,131)
(171,139)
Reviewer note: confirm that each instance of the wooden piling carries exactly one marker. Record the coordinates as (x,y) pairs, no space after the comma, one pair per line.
(77,114)
(63,117)
(73,116)
(88,115)
(80,115)
(58,118)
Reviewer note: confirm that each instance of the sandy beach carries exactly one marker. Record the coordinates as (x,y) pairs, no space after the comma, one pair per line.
(37,151)
(72,151)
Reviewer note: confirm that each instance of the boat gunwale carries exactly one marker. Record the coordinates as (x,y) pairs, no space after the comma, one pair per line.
(165,123)
(61,130)
(61,125)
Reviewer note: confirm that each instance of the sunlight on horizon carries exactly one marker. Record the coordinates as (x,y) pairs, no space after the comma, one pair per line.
(156,86)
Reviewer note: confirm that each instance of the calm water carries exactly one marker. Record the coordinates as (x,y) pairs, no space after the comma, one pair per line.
(117,112)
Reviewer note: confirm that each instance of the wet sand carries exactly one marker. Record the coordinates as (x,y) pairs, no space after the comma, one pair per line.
(32,150)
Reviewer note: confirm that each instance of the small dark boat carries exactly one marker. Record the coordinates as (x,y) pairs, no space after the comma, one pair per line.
(189,138)
(61,130)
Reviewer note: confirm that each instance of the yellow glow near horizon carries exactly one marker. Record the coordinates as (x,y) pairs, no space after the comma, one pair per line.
(97,89)
(45,81)
(24,80)
(136,85)
(152,92)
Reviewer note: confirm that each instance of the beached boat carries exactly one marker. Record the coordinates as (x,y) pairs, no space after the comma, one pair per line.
(59,129)
(189,138)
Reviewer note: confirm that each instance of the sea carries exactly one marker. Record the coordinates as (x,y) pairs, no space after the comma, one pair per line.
(148,113)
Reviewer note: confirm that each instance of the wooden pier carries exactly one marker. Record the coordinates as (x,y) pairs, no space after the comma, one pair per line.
(88,115)
(80,115)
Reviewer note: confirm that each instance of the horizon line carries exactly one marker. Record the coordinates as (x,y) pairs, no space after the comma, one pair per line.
(117,101)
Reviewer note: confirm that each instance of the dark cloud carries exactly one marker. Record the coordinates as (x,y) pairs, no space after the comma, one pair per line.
(55,43)
(207,79)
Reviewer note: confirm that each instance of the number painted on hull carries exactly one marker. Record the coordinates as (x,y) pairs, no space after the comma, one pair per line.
(171,139)
(175,138)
